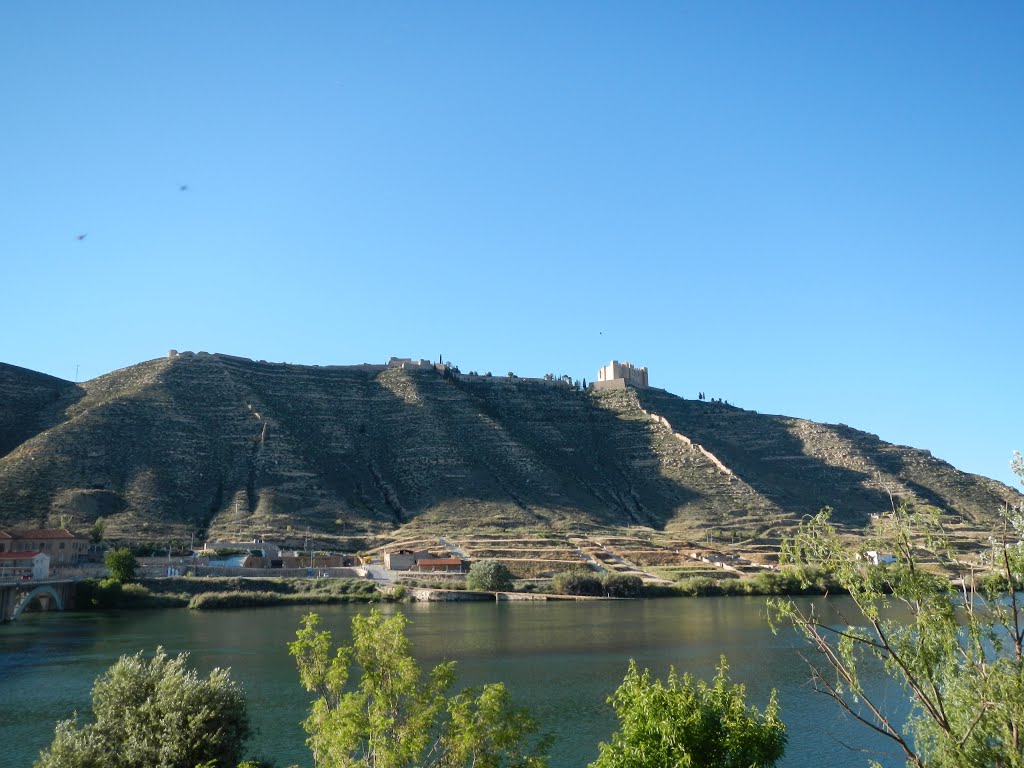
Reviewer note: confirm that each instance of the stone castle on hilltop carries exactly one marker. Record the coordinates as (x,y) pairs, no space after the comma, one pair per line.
(618,375)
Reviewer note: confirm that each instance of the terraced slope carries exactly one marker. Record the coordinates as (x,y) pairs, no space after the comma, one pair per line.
(226,445)
(801,465)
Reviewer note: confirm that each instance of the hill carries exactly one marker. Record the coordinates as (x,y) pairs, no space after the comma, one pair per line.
(219,444)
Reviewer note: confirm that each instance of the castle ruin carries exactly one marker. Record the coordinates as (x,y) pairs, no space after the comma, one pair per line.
(618,375)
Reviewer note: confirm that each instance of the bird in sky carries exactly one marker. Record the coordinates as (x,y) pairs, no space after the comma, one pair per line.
(183,187)
(81,236)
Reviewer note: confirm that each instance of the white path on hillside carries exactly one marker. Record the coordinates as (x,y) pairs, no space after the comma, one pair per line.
(452,548)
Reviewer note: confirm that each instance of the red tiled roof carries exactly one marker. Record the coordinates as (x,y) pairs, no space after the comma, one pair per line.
(18,555)
(40,533)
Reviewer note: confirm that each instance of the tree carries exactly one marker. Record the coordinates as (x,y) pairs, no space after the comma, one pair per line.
(122,564)
(154,714)
(622,585)
(392,718)
(577,582)
(97,530)
(489,576)
(958,652)
(685,724)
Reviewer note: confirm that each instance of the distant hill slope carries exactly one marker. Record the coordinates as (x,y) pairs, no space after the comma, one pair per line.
(222,444)
(29,404)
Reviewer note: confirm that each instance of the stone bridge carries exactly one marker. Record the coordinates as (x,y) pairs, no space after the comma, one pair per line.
(48,594)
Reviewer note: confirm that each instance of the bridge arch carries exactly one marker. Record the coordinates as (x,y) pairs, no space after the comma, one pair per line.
(42,589)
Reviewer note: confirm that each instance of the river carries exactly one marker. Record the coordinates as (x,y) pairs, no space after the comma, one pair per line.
(560,659)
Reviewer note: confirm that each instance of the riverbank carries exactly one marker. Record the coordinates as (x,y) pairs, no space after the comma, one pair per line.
(215,593)
(229,592)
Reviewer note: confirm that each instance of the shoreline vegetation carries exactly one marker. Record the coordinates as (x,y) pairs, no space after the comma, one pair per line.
(218,593)
(221,593)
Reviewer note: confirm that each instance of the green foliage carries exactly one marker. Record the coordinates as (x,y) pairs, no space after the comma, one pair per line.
(957,652)
(489,576)
(577,582)
(206,601)
(154,714)
(685,724)
(702,586)
(122,564)
(432,583)
(622,585)
(392,717)
(589,584)
(96,532)
(91,594)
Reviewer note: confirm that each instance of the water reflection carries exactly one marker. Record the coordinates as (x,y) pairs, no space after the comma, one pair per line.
(562,660)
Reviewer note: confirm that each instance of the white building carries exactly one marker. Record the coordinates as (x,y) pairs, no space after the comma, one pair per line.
(22,566)
(879,558)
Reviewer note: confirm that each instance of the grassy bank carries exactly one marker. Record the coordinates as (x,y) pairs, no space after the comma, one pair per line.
(222,593)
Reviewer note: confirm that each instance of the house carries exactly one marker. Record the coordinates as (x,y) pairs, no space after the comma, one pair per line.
(61,545)
(20,566)
(405,559)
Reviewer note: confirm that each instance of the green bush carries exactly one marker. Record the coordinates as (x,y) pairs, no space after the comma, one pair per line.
(208,601)
(111,594)
(122,564)
(577,582)
(92,593)
(686,722)
(622,585)
(775,583)
(489,576)
(154,713)
(702,586)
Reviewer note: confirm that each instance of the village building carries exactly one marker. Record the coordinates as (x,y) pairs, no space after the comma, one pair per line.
(404,559)
(422,560)
(21,566)
(258,553)
(59,544)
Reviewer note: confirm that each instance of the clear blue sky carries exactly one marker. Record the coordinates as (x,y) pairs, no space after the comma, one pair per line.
(814,209)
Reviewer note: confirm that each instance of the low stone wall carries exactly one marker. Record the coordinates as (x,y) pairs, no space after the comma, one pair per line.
(422,595)
(503,596)
(687,441)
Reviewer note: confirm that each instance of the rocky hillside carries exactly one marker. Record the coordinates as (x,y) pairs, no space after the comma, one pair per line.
(221,444)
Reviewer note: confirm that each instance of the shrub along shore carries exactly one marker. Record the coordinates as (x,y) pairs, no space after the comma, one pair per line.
(211,593)
(215,593)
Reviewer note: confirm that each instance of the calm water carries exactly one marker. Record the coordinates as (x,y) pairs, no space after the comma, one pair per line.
(561,660)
